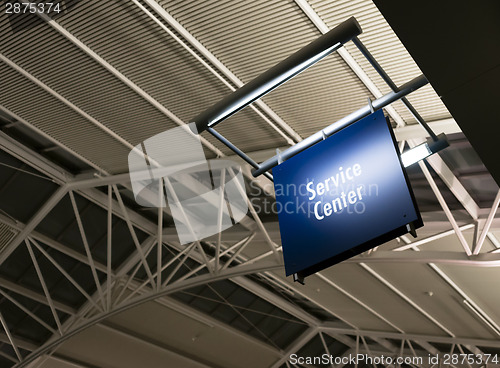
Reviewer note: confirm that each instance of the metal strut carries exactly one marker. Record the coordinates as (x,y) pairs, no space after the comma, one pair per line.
(379,103)
(278,74)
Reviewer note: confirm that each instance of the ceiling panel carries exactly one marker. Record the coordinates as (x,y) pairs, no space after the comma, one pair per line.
(431,293)
(385,46)
(267,34)
(219,346)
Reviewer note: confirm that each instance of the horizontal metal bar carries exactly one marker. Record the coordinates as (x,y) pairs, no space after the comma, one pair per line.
(278,74)
(439,257)
(379,103)
(329,327)
(236,150)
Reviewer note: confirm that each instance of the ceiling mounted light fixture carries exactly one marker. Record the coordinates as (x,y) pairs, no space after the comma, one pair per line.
(424,150)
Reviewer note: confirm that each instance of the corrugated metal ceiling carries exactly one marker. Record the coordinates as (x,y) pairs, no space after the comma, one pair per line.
(248,38)
(124,36)
(385,46)
(249,45)
(6,235)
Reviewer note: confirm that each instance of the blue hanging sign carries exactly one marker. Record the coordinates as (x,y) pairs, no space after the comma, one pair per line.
(342,196)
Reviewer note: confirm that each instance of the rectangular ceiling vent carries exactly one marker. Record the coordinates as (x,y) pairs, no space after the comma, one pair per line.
(6,235)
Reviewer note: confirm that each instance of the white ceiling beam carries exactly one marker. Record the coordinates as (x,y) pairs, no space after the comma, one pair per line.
(443,170)
(90,118)
(20,342)
(452,182)
(487,225)
(33,295)
(138,221)
(256,289)
(351,342)
(211,322)
(429,239)
(277,301)
(440,167)
(347,57)
(329,327)
(19,226)
(385,343)
(445,207)
(33,222)
(42,167)
(118,75)
(71,329)
(430,348)
(403,296)
(38,162)
(198,46)
(265,294)
(296,346)
(64,100)
(150,343)
(416,131)
(439,257)
(357,301)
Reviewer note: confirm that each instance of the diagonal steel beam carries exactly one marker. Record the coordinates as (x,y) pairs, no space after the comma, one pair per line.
(11,339)
(452,182)
(33,222)
(118,75)
(406,298)
(243,270)
(296,346)
(44,286)
(487,224)
(357,301)
(35,160)
(429,257)
(198,46)
(347,57)
(445,208)
(19,226)
(86,246)
(33,295)
(20,342)
(329,327)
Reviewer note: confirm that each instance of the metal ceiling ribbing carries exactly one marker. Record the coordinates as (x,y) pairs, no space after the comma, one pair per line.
(6,235)
(52,60)
(379,38)
(268,32)
(250,42)
(100,149)
(134,44)
(317,97)
(56,62)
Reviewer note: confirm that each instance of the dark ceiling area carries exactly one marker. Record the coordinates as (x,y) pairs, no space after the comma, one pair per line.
(456,44)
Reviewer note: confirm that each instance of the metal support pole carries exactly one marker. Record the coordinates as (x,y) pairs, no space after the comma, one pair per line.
(236,150)
(278,74)
(378,68)
(487,225)
(379,103)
